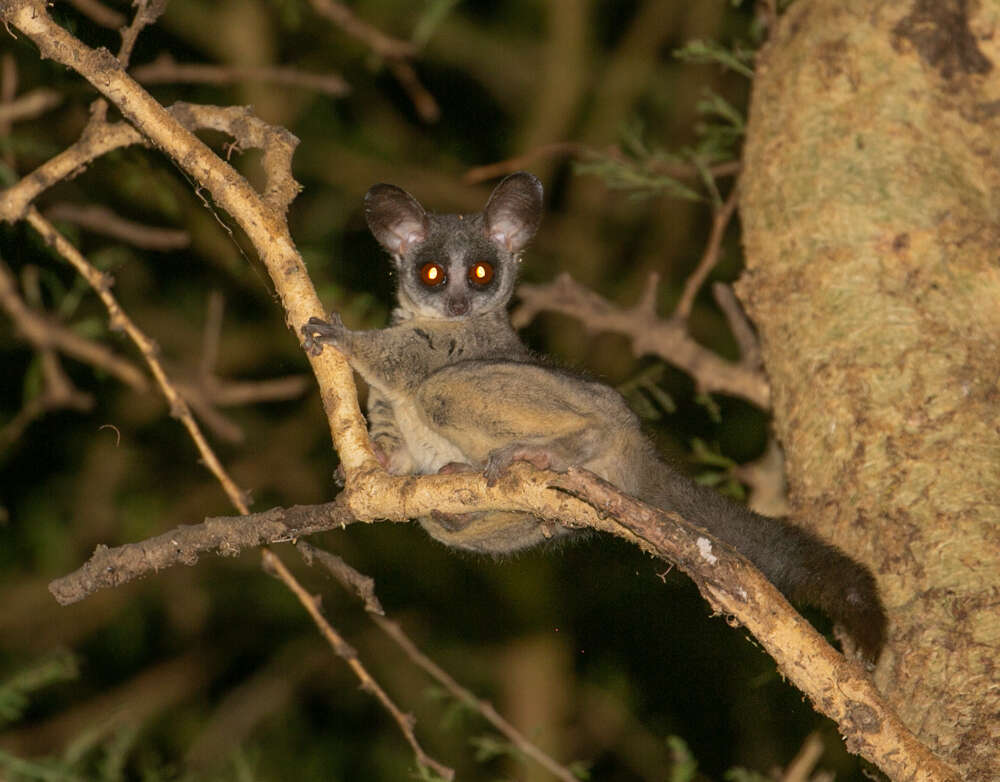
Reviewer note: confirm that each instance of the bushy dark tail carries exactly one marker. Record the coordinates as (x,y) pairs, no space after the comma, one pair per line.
(803,567)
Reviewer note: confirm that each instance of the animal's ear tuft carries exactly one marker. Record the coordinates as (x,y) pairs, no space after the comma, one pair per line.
(514,211)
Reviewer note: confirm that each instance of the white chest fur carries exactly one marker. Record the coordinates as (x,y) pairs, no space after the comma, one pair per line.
(428,449)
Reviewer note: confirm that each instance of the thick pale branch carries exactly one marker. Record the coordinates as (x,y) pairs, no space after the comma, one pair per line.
(260,218)
(838,687)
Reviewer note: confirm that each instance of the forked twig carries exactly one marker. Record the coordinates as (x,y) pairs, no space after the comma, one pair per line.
(364,586)
(276,568)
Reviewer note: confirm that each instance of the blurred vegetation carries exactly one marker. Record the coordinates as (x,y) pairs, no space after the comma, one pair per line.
(215,672)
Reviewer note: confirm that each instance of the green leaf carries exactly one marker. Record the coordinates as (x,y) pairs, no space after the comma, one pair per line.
(430,20)
(698,51)
(685,766)
(14,692)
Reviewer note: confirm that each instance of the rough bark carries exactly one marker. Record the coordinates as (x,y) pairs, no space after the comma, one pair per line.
(870,214)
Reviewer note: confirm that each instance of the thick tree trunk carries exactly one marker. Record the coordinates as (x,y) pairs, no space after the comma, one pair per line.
(871,215)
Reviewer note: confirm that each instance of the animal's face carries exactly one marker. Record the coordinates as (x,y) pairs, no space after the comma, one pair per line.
(456,266)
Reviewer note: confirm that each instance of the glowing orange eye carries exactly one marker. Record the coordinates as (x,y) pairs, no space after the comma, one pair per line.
(432,274)
(481,273)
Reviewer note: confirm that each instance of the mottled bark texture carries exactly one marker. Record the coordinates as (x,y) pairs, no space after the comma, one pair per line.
(871,215)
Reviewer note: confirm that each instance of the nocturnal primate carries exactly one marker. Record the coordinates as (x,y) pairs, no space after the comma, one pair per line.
(453,388)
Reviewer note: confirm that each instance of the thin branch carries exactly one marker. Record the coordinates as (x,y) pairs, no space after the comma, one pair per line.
(667,339)
(739,325)
(146,13)
(805,760)
(261,218)
(230,393)
(213,331)
(101,220)
(710,258)
(276,568)
(396,53)
(28,106)
(424,103)
(120,320)
(364,586)
(99,13)
(383,45)
(579,151)
(224,535)
(558,149)
(352,580)
(44,332)
(165,70)
(58,393)
(97,139)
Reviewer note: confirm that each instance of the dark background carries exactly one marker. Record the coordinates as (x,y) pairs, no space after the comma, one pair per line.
(215,672)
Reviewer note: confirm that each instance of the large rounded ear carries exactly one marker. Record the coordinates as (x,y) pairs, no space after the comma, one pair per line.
(514,211)
(395,218)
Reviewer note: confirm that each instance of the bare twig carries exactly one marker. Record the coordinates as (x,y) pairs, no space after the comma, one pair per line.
(120,320)
(668,339)
(709,258)
(99,13)
(165,70)
(739,324)
(364,586)
(102,220)
(98,138)
(424,103)
(559,149)
(29,105)
(229,393)
(276,568)
(383,45)
(396,53)
(43,332)
(224,535)
(577,150)
(146,13)
(805,760)
(213,332)
(58,393)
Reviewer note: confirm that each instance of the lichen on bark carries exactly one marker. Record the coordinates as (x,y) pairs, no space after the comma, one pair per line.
(872,229)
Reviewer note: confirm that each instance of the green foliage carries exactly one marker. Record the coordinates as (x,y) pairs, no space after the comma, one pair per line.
(719,475)
(645,395)
(429,21)
(684,766)
(16,689)
(743,775)
(737,58)
(643,171)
